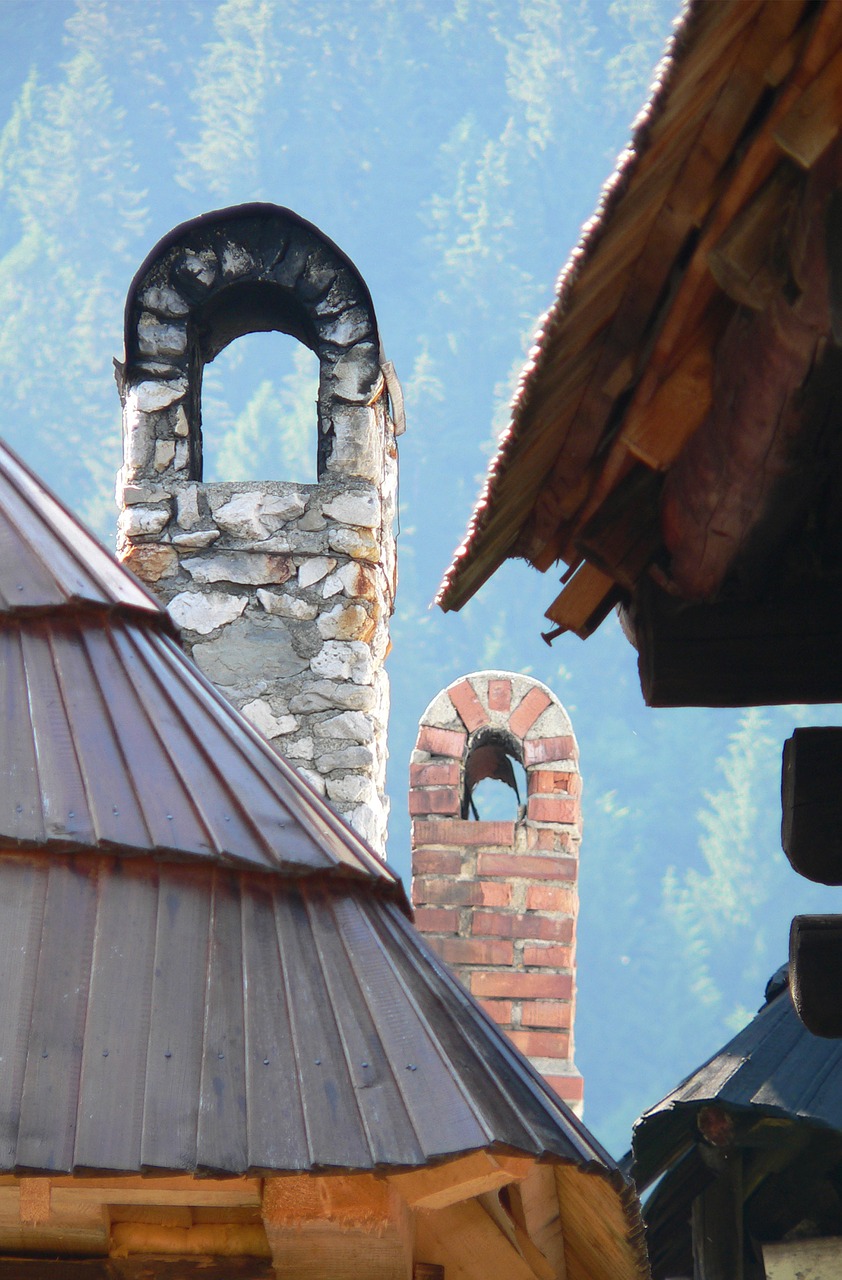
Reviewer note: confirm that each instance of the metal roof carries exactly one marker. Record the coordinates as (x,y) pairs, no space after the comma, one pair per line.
(202,968)
(195,1019)
(49,559)
(773,1068)
(121,745)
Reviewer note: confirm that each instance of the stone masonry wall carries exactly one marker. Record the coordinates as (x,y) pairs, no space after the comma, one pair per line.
(282,592)
(498,900)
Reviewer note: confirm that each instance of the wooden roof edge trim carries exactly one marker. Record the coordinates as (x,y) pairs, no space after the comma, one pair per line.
(98,614)
(452,594)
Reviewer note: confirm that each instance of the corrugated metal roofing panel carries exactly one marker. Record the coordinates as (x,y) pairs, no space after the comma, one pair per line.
(206,1019)
(119,744)
(49,559)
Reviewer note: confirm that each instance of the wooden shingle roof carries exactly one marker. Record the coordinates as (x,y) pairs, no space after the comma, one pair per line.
(659,432)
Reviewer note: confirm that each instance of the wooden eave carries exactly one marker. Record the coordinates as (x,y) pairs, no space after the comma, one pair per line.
(623,373)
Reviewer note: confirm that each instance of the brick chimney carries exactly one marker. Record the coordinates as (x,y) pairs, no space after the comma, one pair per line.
(498,899)
(283,591)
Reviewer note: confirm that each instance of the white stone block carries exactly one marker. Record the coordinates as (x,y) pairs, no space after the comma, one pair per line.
(344,622)
(312,571)
(360,544)
(258,515)
(355,725)
(344,660)
(332,586)
(139,440)
(359,757)
(187,506)
(154,395)
(158,339)
(361,508)
(196,541)
(286,606)
(261,716)
(164,300)
(137,521)
(204,611)
(353,788)
(328,695)
(236,261)
(181,426)
(315,780)
(164,454)
(302,749)
(182,455)
(239,566)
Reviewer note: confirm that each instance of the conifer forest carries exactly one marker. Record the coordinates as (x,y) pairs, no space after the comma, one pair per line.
(453,149)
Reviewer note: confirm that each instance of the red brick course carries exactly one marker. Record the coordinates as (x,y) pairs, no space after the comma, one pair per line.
(499,695)
(470,709)
(542,1044)
(550,839)
(500,924)
(437,773)
(434,800)
(548,957)
(550,781)
(527,866)
(569,1088)
(437,919)
(461,893)
(476,951)
(528,711)
(460,832)
(519,985)
(441,742)
(546,897)
(546,1013)
(500,1011)
(543,750)
(552,809)
(436,861)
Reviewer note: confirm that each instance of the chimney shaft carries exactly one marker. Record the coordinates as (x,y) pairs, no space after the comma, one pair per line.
(283,591)
(498,899)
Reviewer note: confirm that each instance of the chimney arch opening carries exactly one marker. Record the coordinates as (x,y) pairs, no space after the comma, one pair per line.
(259,410)
(494,785)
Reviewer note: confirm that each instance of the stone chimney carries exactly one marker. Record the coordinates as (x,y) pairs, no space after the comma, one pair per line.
(283,591)
(497,899)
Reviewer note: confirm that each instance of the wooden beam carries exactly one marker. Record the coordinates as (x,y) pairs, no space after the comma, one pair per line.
(149,1268)
(811,123)
(446,1184)
(585,600)
(811,800)
(469,1244)
(153,1190)
(338,1226)
(780,649)
(223,1240)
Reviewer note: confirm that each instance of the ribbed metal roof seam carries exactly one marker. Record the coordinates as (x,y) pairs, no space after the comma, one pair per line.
(148,654)
(397,1078)
(588,1148)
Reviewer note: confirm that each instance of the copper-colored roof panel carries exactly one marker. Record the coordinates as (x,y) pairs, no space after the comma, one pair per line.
(47,558)
(120,745)
(207,1019)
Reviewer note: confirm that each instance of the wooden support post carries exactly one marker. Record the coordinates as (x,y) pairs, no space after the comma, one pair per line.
(338,1226)
(718,1220)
